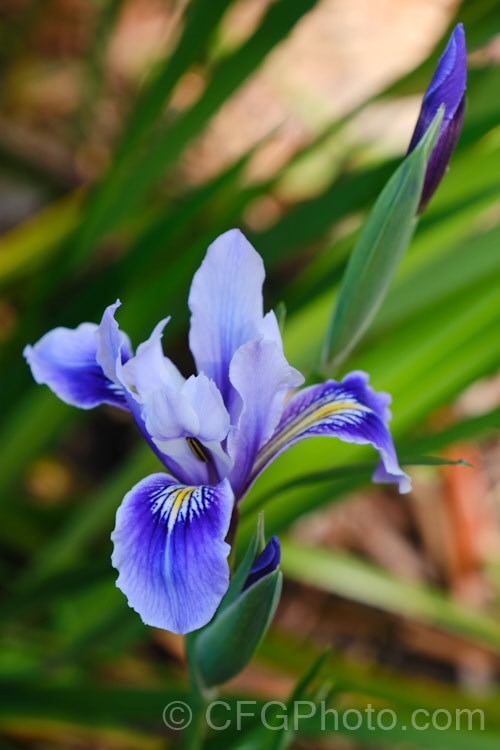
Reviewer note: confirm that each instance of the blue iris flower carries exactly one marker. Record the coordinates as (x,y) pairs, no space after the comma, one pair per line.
(215,431)
(446,88)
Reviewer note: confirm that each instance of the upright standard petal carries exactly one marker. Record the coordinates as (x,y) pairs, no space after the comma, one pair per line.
(262,377)
(170,551)
(226,306)
(446,88)
(351,411)
(77,364)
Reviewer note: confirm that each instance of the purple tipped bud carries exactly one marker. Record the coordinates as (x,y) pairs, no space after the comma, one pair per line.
(266,563)
(448,88)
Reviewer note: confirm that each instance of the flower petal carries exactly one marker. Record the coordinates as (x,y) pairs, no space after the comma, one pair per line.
(226,306)
(442,152)
(113,346)
(270,330)
(447,87)
(66,360)
(206,400)
(266,563)
(169,415)
(262,377)
(349,410)
(188,426)
(150,369)
(170,551)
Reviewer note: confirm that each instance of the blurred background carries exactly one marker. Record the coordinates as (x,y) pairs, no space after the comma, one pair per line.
(133,132)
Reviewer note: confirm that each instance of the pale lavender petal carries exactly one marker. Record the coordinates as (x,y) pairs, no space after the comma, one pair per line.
(173,467)
(150,369)
(270,330)
(113,346)
(170,551)
(169,415)
(206,400)
(66,360)
(169,421)
(140,376)
(226,306)
(262,377)
(195,413)
(350,410)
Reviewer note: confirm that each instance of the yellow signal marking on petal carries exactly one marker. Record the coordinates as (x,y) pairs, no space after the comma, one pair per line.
(325,411)
(177,504)
(198,450)
(301,423)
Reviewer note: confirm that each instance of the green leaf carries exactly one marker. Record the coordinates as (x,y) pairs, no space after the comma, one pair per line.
(378,251)
(281,737)
(28,245)
(467,429)
(345,575)
(201,20)
(360,472)
(93,519)
(302,687)
(228,643)
(280,312)
(146,167)
(468,262)
(238,580)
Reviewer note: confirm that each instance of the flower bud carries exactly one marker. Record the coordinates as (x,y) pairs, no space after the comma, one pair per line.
(447,88)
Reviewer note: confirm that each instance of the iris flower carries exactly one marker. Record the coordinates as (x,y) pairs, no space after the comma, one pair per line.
(446,88)
(215,432)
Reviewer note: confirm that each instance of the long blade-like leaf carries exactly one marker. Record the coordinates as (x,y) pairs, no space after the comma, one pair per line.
(378,251)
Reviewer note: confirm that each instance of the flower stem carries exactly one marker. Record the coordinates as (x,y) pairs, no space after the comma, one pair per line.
(195,731)
(231,536)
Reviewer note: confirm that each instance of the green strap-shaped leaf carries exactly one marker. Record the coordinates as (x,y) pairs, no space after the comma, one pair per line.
(145,166)
(255,547)
(378,251)
(228,643)
(346,575)
(361,471)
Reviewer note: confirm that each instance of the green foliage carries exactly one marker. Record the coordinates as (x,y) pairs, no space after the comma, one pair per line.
(377,254)
(226,645)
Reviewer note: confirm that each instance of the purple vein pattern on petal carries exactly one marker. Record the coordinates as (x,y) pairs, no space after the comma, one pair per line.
(66,360)
(170,551)
(262,377)
(350,410)
(226,306)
